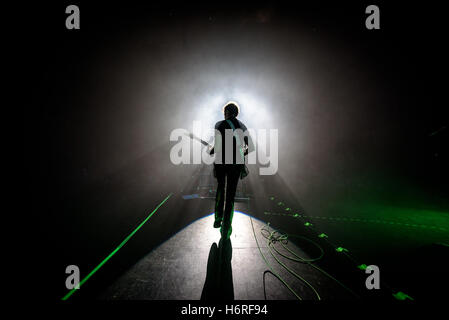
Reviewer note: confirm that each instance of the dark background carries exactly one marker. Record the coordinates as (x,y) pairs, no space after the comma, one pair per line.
(372,101)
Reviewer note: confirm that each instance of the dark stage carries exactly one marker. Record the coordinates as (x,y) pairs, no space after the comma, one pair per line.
(357,140)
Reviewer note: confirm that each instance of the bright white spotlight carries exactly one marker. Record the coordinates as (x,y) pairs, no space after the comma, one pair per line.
(252,111)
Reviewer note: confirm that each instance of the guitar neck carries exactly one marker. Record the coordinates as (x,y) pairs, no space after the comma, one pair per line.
(198,139)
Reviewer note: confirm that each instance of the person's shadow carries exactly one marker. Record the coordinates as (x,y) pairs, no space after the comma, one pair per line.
(218,284)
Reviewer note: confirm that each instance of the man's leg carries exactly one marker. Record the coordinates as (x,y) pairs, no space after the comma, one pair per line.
(232,177)
(219,197)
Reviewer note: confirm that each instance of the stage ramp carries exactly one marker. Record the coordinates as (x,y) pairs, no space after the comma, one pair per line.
(196,263)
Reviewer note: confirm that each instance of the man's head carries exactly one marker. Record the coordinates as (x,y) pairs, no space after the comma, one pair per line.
(231,110)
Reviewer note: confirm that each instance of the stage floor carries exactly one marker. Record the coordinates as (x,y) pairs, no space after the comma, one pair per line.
(195,264)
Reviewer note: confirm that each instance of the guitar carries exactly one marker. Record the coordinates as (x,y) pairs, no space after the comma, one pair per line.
(193,137)
(243,151)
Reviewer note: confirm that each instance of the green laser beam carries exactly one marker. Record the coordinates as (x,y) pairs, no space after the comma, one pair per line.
(115,250)
(359,220)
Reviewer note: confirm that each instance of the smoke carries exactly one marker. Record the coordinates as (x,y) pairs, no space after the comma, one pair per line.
(284,76)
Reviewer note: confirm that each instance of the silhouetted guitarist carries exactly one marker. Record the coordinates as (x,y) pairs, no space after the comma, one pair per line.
(229,164)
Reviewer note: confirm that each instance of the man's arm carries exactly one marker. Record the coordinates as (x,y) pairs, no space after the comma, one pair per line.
(248,141)
(250,144)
